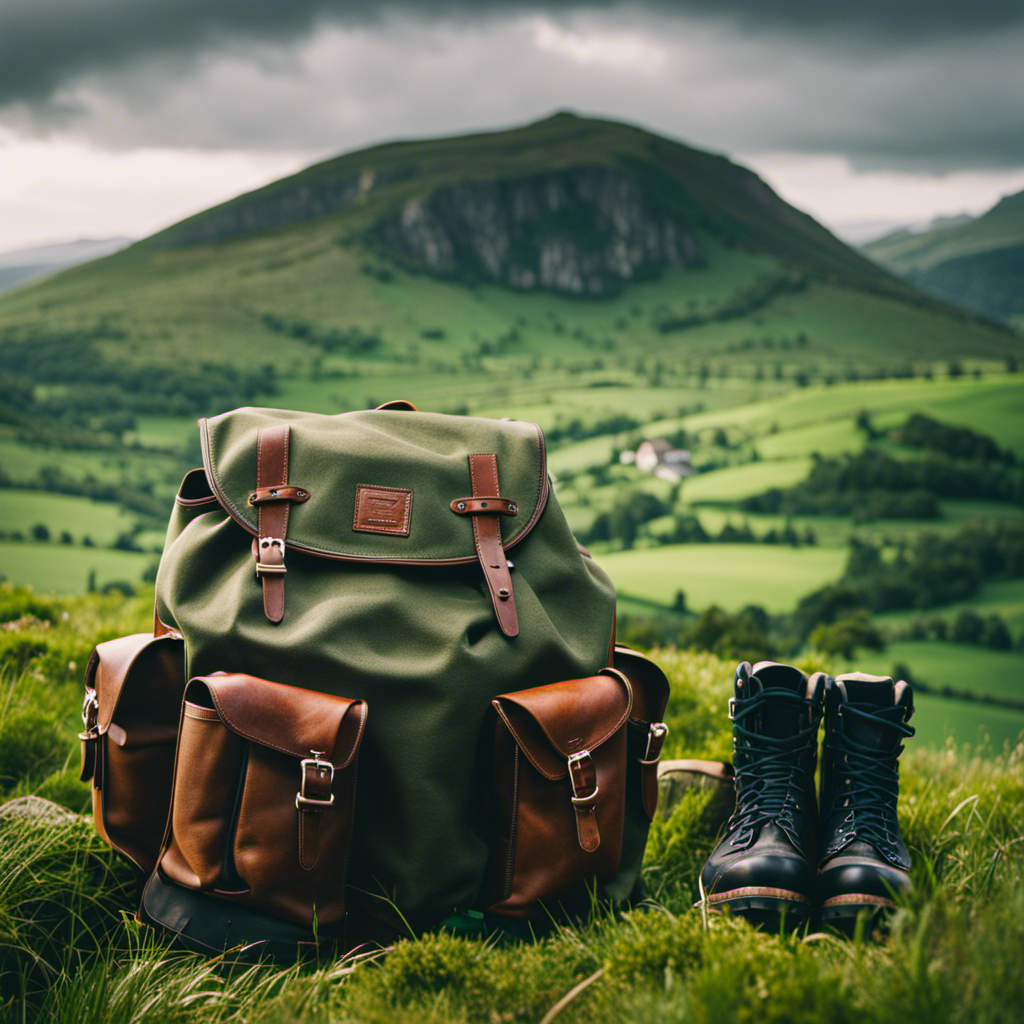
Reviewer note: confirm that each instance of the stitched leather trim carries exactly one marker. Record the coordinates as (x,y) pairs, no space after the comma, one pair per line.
(543,489)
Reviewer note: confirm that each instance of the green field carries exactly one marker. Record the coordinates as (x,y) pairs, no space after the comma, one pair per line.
(66,570)
(729,575)
(81,517)
(960,666)
(938,718)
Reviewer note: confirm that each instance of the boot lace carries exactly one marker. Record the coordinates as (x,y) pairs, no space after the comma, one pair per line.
(771,772)
(870,785)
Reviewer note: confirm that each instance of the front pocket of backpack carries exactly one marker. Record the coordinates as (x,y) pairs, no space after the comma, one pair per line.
(134,687)
(559,796)
(208,775)
(264,795)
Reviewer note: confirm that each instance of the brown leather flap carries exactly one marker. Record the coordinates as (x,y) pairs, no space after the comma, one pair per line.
(550,723)
(110,666)
(649,683)
(285,718)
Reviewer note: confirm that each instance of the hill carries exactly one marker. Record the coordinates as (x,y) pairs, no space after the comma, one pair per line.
(977,263)
(20,266)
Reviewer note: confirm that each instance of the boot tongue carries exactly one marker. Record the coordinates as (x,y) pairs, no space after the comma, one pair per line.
(779,719)
(877,696)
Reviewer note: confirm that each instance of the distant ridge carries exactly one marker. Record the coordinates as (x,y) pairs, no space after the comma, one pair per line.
(975,262)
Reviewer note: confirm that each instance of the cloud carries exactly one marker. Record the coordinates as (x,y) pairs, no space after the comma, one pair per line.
(44,44)
(911,84)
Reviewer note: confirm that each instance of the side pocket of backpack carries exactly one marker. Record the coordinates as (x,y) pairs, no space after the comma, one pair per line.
(559,793)
(133,689)
(646,733)
(264,791)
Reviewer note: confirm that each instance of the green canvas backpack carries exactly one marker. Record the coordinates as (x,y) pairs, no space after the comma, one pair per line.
(382,692)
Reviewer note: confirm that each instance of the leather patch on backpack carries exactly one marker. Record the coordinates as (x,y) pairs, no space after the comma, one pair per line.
(382,510)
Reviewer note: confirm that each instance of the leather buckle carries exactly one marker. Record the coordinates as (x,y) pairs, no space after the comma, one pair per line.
(312,802)
(268,544)
(578,759)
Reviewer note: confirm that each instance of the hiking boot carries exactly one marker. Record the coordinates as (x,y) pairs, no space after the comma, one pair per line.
(762,868)
(863,863)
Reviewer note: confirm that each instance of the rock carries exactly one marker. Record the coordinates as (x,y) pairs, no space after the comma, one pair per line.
(676,778)
(586,230)
(36,808)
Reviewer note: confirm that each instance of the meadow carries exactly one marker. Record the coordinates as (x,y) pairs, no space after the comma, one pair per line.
(70,950)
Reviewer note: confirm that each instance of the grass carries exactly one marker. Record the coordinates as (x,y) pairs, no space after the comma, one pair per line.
(72,952)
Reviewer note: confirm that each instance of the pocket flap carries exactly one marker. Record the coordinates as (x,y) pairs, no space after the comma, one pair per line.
(112,662)
(650,684)
(285,718)
(550,723)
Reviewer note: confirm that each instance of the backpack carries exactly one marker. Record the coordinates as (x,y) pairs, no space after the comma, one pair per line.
(382,693)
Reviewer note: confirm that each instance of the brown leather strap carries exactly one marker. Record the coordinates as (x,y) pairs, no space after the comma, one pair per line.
(264,494)
(583,776)
(272,471)
(312,800)
(490,504)
(483,473)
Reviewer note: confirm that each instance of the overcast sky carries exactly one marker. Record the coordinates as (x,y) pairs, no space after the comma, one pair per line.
(118,117)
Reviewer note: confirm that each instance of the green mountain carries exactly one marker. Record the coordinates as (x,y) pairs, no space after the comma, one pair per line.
(553,247)
(977,263)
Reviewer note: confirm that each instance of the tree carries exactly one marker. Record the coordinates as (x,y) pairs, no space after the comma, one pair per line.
(679,602)
(40,532)
(843,637)
(996,635)
(968,628)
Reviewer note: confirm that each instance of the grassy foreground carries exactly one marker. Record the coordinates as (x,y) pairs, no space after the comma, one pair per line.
(70,951)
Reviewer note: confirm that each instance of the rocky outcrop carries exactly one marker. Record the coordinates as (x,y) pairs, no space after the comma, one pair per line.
(581,231)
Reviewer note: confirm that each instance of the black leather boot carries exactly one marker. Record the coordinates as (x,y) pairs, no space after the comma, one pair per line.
(763,867)
(863,863)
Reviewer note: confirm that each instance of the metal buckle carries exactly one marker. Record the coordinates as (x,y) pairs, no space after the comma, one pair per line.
(262,568)
(578,757)
(90,710)
(732,708)
(658,731)
(301,800)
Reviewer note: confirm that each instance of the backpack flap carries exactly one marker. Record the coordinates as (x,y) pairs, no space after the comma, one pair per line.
(378,487)
(561,727)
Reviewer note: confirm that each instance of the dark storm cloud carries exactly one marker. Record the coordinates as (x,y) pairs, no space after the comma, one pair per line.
(47,43)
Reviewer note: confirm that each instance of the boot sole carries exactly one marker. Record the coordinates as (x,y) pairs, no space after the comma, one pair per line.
(763,906)
(843,911)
